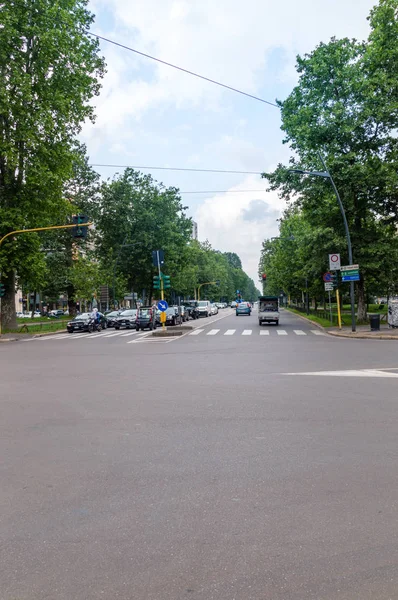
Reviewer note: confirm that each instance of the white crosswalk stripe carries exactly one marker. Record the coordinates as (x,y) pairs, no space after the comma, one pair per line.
(271,333)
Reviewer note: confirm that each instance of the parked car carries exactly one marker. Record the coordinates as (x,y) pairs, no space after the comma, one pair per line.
(127,318)
(221,305)
(85,322)
(172,316)
(233,304)
(20,315)
(28,315)
(146,318)
(56,313)
(214,309)
(192,311)
(243,308)
(204,308)
(111,317)
(184,313)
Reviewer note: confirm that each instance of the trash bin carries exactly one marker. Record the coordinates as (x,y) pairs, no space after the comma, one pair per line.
(374,322)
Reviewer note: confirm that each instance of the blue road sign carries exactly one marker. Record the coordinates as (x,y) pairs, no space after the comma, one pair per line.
(162,305)
(350,277)
(327,277)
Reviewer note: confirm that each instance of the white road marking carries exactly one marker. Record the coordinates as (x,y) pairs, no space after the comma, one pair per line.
(357,373)
(196,332)
(299,332)
(247,332)
(264,332)
(213,332)
(114,334)
(98,335)
(317,332)
(76,336)
(281,332)
(230,332)
(127,334)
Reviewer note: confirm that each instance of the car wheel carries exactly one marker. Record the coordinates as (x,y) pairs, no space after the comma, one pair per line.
(70,331)
(90,329)
(117,327)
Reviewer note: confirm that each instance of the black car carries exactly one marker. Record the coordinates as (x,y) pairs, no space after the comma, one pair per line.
(85,322)
(146,318)
(126,319)
(172,316)
(111,317)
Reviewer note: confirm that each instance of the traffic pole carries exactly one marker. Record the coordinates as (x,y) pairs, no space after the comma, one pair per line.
(338,308)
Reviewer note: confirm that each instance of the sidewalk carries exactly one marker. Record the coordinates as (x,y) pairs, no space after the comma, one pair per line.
(363,332)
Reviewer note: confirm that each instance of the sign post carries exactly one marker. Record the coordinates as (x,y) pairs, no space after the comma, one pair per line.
(338,308)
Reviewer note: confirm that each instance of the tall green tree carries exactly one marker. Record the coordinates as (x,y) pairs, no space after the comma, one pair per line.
(49,71)
(345,106)
(135,215)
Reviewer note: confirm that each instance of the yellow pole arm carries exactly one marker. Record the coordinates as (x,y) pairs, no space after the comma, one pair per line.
(18,231)
(205,283)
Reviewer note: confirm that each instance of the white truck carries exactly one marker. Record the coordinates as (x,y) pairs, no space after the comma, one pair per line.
(268,309)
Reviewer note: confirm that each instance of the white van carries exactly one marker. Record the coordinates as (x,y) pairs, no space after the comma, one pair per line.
(204,308)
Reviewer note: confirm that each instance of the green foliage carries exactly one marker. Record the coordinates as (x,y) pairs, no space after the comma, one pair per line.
(345,105)
(49,69)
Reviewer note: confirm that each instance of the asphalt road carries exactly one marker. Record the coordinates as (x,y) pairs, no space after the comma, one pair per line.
(206,467)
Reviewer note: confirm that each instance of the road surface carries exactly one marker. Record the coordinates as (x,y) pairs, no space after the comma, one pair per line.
(205,467)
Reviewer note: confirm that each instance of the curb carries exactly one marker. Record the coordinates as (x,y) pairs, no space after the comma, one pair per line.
(3,341)
(46,333)
(362,336)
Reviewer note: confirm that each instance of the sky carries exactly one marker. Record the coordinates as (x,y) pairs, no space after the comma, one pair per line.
(149,114)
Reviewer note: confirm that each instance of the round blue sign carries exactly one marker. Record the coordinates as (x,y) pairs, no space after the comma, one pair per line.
(162,305)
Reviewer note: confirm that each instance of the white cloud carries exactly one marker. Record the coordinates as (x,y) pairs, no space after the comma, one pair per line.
(227,40)
(228,221)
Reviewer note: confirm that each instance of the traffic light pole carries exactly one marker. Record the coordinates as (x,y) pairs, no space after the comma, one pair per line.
(19,231)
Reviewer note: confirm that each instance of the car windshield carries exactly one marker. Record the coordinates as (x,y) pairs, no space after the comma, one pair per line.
(82,317)
(114,313)
(202,303)
(128,313)
(144,312)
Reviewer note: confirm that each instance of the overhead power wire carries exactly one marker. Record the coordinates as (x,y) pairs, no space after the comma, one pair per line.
(176,169)
(163,62)
(222,192)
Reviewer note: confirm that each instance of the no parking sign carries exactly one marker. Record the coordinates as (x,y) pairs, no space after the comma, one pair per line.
(334,262)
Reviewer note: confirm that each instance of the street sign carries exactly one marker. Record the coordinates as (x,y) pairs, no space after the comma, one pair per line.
(350,273)
(162,305)
(354,277)
(327,277)
(329,287)
(334,262)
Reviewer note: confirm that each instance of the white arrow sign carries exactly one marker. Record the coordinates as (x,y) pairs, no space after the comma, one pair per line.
(358,373)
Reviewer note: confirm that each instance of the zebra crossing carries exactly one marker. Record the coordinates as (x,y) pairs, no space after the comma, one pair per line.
(248,332)
(132,337)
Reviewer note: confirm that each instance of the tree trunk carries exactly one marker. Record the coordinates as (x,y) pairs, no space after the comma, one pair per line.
(34,304)
(361,314)
(8,313)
